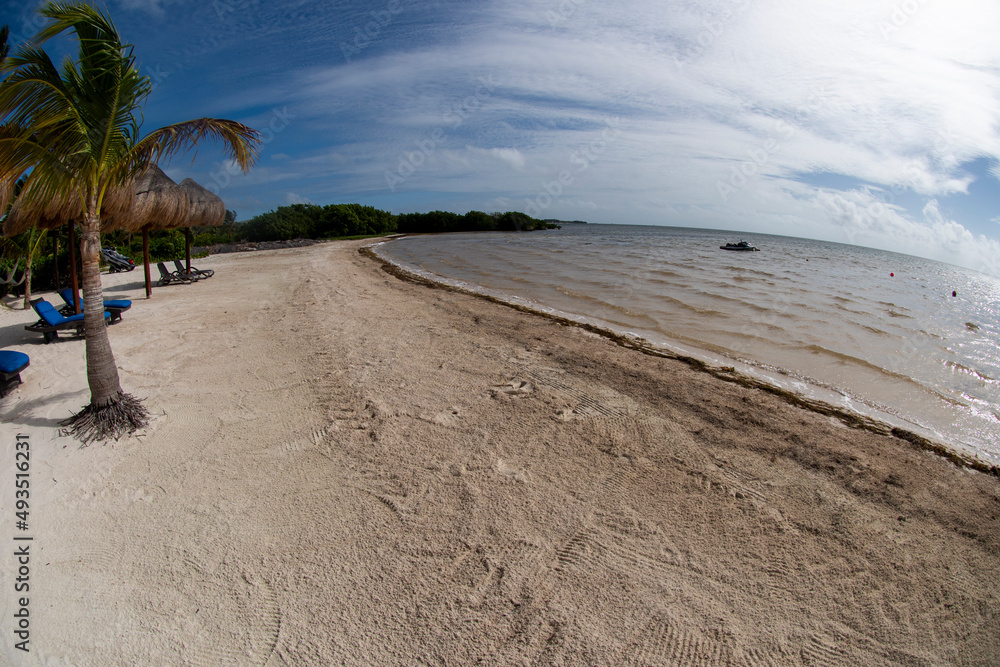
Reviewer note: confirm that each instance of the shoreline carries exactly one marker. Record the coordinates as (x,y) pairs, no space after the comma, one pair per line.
(346,468)
(726,373)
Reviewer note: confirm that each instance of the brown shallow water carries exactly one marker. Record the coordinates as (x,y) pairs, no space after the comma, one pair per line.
(827,320)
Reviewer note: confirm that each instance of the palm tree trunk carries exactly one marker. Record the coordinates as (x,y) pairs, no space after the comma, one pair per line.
(27,283)
(145,261)
(77,306)
(55,261)
(111,413)
(102,374)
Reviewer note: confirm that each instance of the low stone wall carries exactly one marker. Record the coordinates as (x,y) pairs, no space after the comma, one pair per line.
(223,248)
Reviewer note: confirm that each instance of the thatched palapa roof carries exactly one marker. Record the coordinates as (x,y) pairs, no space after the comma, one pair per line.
(53,212)
(153,202)
(207,210)
(159,203)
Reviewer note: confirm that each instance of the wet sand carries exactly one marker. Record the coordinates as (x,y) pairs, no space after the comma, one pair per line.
(345,468)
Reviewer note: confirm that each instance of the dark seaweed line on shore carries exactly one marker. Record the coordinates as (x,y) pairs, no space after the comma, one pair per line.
(727,373)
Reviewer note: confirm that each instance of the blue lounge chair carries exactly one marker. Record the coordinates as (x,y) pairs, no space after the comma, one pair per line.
(114,306)
(11,365)
(51,322)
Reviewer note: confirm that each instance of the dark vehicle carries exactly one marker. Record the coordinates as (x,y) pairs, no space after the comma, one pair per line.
(116,260)
(742,245)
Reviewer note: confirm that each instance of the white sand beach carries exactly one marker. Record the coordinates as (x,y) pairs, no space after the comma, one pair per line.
(345,468)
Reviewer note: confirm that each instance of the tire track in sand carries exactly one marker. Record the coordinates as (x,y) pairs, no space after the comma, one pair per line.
(251,621)
(665,642)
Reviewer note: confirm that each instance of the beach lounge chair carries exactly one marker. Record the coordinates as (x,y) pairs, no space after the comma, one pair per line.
(193,277)
(11,365)
(114,306)
(195,273)
(51,322)
(168,277)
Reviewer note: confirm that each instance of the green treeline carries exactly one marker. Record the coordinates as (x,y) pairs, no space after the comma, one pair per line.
(340,220)
(473,221)
(306,221)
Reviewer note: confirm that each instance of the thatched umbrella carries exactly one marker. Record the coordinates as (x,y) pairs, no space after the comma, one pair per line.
(207,210)
(49,213)
(159,204)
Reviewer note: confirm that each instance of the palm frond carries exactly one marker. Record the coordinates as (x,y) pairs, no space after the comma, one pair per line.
(33,94)
(90,23)
(103,82)
(22,154)
(41,118)
(242,143)
(84,140)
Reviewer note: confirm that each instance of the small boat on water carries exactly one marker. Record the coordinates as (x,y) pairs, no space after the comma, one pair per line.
(742,245)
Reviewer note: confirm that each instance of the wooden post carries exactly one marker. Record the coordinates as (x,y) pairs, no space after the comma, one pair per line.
(145,261)
(55,257)
(72,268)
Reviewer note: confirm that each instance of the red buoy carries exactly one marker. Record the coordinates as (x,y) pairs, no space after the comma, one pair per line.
(891,274)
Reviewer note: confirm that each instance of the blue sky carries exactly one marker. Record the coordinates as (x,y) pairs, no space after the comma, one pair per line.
(873,122)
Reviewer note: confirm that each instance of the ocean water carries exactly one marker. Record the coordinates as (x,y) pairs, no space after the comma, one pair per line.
(872,331)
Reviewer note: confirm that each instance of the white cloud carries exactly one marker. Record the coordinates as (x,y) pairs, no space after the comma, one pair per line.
(294,198)
(511,157)
(154,7)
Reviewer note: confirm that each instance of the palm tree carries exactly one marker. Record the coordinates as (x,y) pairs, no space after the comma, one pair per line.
(26,245)
(229,224)
(73,133)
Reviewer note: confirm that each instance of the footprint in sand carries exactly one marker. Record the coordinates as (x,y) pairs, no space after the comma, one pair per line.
(513,388)
(450,417)
(566,414)
(518,474)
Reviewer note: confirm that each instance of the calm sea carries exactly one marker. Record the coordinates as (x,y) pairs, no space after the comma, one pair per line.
(876,332)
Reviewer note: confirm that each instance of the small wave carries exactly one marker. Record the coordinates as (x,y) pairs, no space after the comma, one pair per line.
(669,283)
(893,313)
(668,273)
(687,306)
(747,279)
(849,310)
(874,330)
(954,365)
(746,304)
(586,298)
(855,361)
(892,306)
(746,269)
